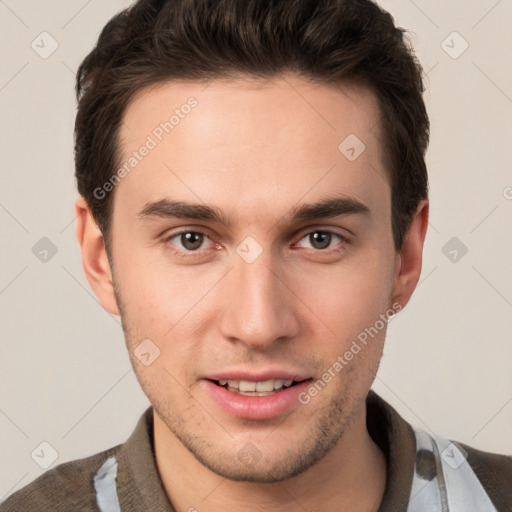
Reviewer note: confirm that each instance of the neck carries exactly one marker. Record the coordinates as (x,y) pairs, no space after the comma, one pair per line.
(352,476)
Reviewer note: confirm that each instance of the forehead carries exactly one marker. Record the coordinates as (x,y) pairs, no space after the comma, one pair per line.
(278,101)
(247,138)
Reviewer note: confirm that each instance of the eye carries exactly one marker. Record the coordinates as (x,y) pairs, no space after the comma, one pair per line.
(189,241)
(321,239)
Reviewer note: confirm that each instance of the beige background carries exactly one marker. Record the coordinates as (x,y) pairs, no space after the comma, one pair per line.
(65,376)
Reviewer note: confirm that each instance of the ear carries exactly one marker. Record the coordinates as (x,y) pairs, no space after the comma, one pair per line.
(94,256)
(408,260)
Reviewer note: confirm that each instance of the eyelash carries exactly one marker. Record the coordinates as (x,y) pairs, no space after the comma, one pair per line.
(199,253)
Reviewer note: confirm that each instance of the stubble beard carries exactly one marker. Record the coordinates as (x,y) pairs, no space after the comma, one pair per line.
(303,455)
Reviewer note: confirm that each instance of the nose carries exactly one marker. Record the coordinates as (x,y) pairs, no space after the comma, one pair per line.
(258,305)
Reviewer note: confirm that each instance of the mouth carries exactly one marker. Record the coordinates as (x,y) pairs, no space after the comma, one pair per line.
(258,388)
(263,397)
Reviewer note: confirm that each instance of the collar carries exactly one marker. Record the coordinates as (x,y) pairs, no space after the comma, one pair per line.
(138,481)
(396,438)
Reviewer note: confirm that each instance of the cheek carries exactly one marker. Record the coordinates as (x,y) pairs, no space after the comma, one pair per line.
(158,295)
(172,307)
(351,296)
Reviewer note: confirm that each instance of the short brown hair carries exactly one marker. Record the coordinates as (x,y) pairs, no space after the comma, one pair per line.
(326,41)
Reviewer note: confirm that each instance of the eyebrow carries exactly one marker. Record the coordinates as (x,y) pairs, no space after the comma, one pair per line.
(323,209)
(330,207)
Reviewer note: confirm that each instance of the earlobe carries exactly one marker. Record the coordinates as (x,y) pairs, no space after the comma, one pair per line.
(409,260)
(94,257)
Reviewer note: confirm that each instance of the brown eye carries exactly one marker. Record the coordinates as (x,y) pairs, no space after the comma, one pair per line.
(323,240)
(320,239)
(191,240)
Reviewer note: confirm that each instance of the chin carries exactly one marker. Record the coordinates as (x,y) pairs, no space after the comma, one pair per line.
(248,463)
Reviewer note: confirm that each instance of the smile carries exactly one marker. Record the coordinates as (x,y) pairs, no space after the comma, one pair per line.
(259,388)
(255,399)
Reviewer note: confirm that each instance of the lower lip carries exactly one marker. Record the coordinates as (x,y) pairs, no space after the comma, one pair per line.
(256,407)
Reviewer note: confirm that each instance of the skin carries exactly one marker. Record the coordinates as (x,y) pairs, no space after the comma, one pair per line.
(256,151)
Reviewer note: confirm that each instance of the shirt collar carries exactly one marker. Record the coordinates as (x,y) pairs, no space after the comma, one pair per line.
(138,481)
(396,438)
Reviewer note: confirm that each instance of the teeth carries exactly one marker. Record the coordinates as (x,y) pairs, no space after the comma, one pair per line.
(245,385)
(261,386)
(267,385)
(278,383)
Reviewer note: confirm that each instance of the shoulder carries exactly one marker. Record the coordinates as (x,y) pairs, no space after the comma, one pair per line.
(466,478)
(68,486)
(494,473)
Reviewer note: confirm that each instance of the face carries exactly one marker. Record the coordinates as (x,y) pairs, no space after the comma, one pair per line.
(252,247)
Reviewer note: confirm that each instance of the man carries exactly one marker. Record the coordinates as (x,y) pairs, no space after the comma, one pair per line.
(253,204)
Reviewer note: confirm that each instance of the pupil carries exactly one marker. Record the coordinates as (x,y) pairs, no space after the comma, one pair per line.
(191,240)
(320,239)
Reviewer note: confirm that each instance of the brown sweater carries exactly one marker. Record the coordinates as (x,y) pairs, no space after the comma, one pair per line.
(425,473)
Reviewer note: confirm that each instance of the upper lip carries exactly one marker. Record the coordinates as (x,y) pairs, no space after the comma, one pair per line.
(258,376)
